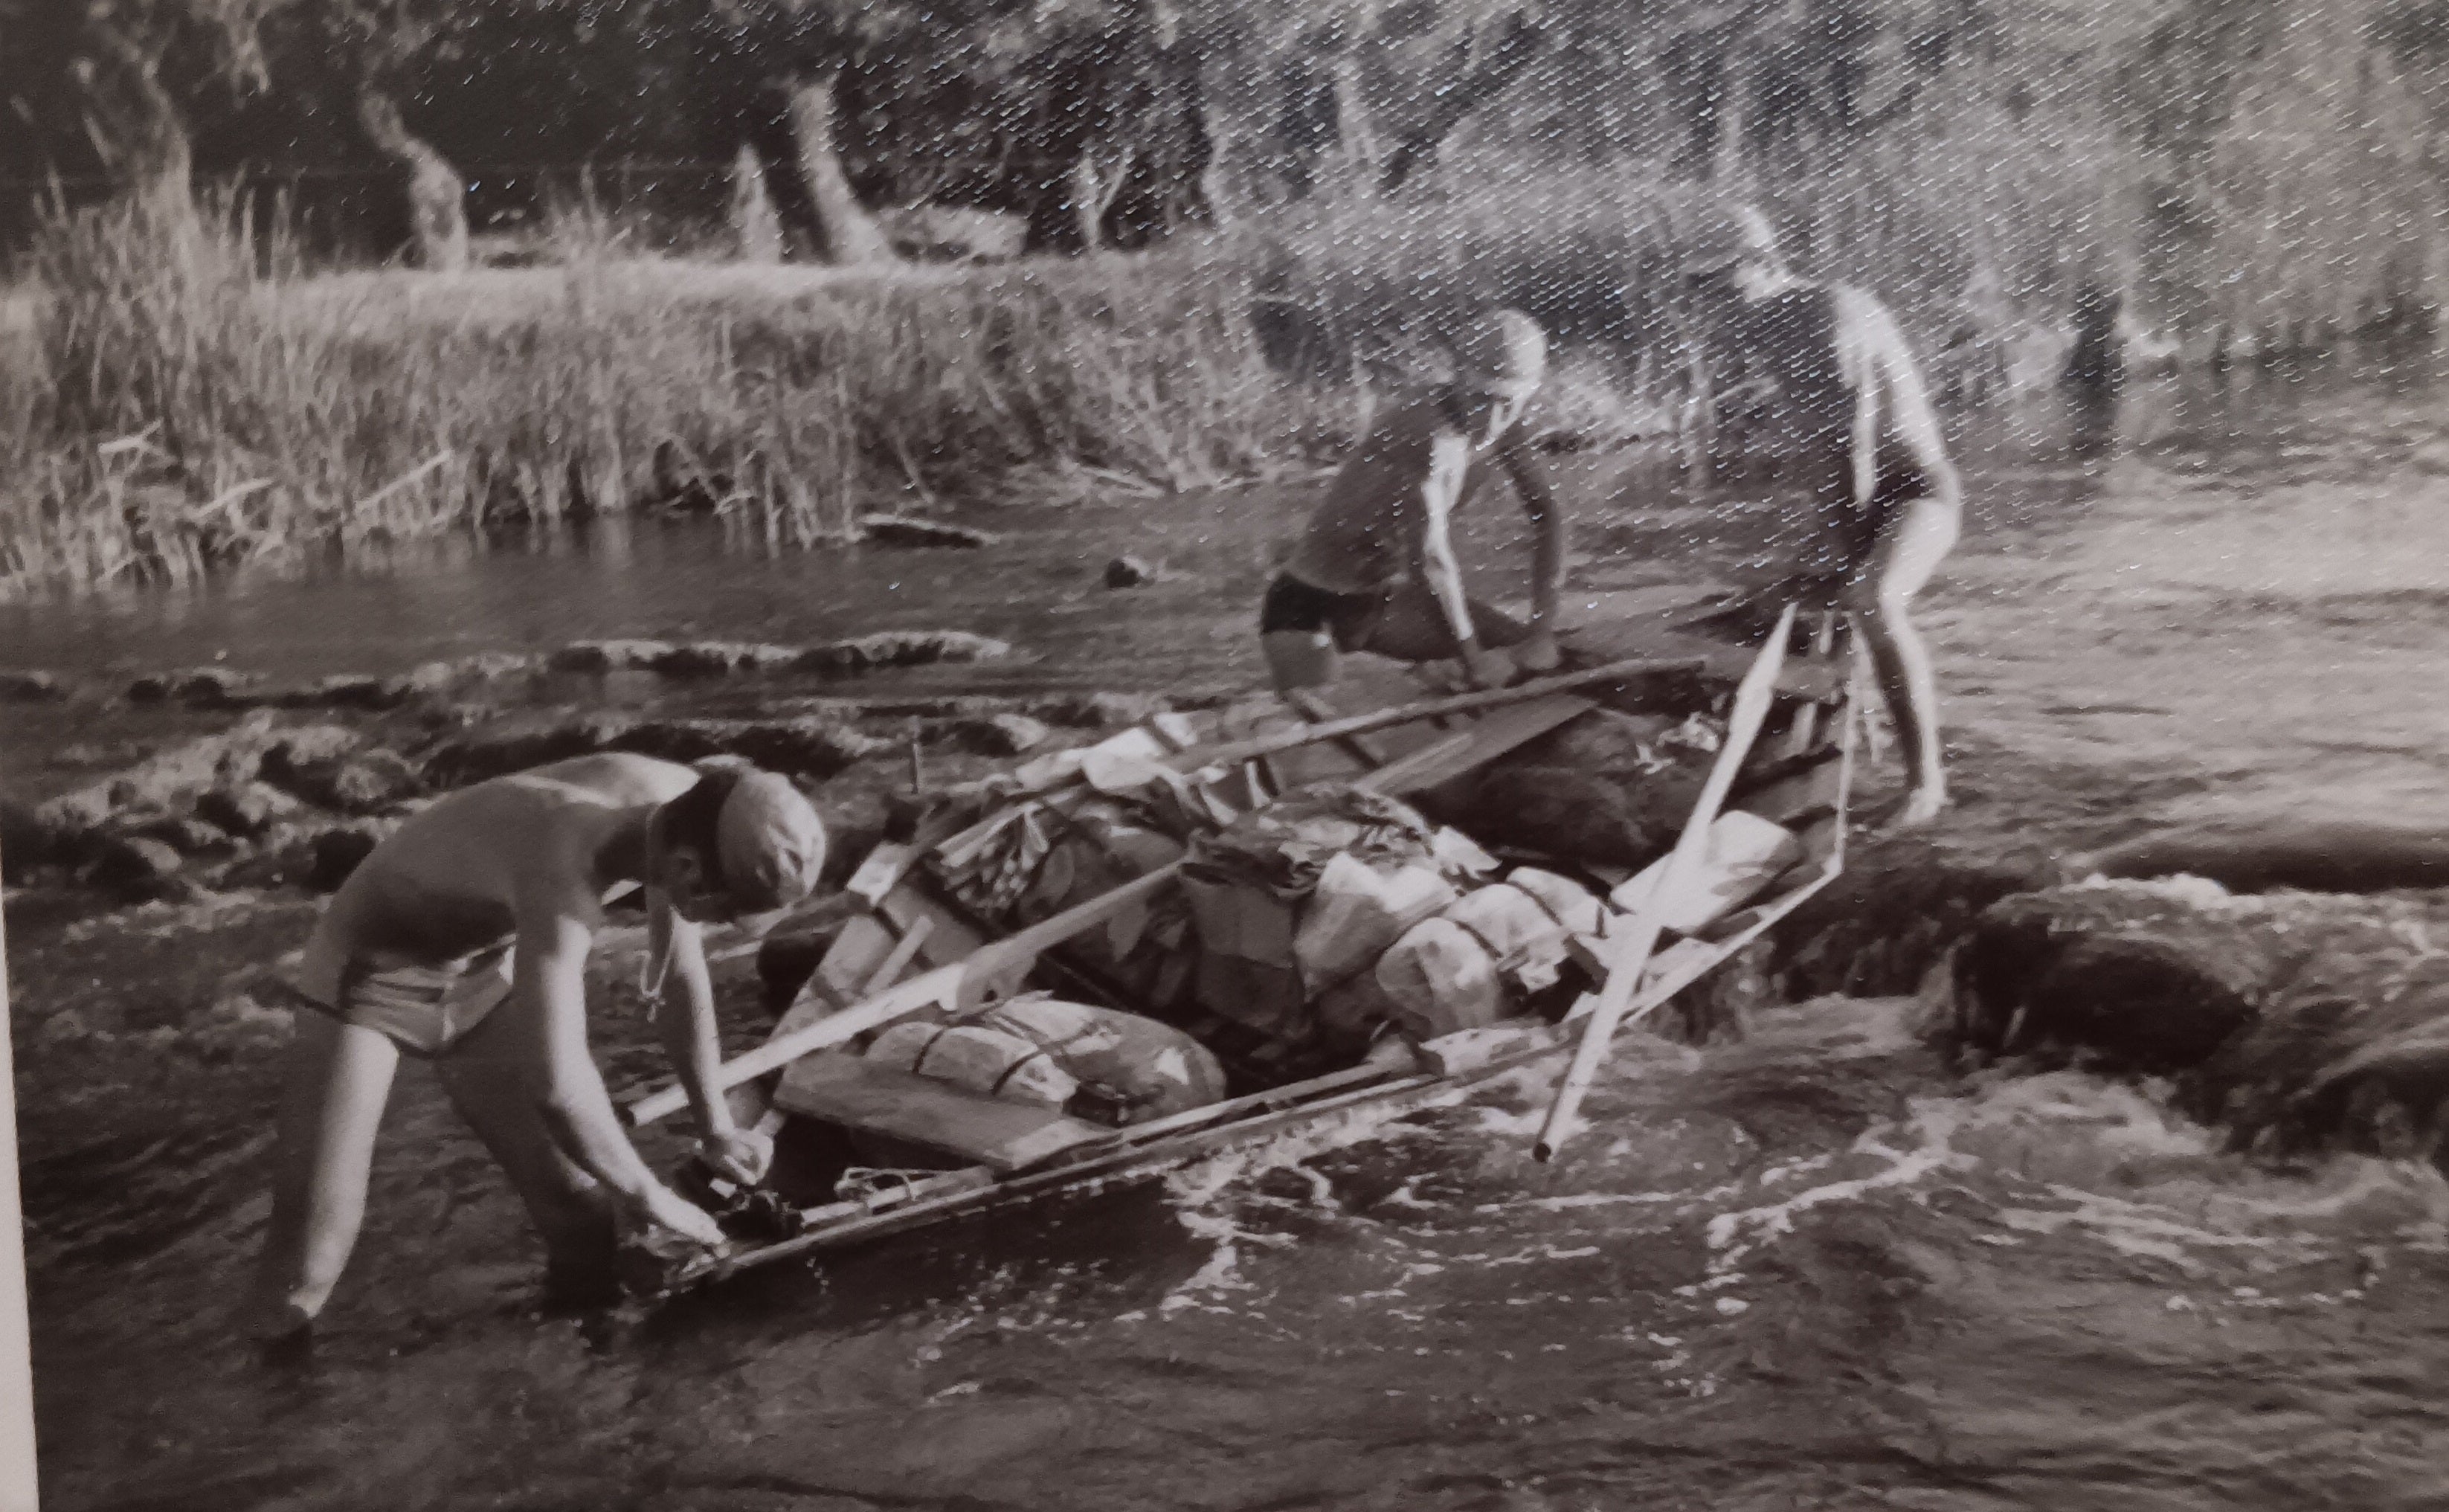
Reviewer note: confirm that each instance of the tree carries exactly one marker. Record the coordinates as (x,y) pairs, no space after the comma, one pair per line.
(357,60)
(108,84)
(782,64)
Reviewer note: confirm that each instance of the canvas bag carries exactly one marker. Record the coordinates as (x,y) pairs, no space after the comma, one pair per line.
(1247,883)
(1357,911)
(977,1057)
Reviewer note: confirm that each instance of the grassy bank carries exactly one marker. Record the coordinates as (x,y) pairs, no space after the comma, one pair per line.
(185,396)
(189,398)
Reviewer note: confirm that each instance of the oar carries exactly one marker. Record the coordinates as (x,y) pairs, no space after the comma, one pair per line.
(1751,704)
(960,985)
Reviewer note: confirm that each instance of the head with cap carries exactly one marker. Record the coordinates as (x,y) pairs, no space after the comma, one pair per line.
(1500,360)
(1732,254)
(739,840)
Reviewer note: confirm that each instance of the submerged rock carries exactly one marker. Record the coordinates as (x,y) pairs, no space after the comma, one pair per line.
(2260,852)
(30,688)
(198,687)
(812,747)
(187,836)
(921,647)
(1130,571)
(25,843)
(607,656)
(65,829)
(2294,1017)
(429,679)
(134,867)
(246,810)
(1004,734)
(1901,903)
(339,690)
(340,850)
(363,782)
(720,658)
(521,742)
(1098,710)
(907,530)
(301,746)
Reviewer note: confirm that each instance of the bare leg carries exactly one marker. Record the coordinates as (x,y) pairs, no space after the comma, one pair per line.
(1299,659)
(490,1087)
(334,1083)
(1878,598)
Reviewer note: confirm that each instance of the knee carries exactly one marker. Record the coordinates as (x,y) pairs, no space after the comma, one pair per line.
(1299,659)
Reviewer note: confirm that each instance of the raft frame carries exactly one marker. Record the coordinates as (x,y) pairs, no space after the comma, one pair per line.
(1443,1068)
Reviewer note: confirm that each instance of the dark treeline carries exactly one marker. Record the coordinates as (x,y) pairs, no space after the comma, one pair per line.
(395,123)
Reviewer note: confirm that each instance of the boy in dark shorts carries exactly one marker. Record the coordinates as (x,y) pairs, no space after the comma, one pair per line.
(1375,570)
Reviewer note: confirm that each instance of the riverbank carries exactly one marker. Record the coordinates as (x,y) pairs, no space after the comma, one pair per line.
(185,397)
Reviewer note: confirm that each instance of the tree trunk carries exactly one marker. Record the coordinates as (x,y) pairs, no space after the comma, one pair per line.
(437,198)
(133,123)
(1096,177)
(756,227)
(846,233)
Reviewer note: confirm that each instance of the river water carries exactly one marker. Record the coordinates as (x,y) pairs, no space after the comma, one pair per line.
(1826,1267)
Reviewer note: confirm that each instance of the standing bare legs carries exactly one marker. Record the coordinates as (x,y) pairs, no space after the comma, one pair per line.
(334,1085)
(1878,598)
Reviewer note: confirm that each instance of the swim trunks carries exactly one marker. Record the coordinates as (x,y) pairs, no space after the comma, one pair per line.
(1304,607)
(424,1009)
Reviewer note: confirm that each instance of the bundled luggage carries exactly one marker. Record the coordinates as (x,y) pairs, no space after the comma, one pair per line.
(1099,1064)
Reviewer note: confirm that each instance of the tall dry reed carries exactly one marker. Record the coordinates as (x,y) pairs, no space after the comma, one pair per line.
(191,400)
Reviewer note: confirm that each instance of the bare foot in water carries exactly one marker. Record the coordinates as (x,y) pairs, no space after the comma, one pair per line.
(1920,807)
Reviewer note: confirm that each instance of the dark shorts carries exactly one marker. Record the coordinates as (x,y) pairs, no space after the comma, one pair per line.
(1302,607)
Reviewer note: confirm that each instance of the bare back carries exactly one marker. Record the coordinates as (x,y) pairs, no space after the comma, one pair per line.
(1362,536)
(453,877)
(1846,392)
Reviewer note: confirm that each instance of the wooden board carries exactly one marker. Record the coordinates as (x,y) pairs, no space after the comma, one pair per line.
(1495,734)
(1005,1137)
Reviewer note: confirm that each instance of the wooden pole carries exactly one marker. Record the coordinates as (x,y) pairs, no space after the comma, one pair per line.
(1624,972)
(962,984)
(1258,745)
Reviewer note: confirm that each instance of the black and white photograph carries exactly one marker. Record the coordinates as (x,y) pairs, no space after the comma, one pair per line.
(1229,755)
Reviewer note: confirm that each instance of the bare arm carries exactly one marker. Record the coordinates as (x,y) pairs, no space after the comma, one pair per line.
(1430,547)
(1547,529)
(547,995)
(683,1010)
(1891,395)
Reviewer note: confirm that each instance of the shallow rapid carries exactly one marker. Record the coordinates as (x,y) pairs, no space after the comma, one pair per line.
(1834,1265)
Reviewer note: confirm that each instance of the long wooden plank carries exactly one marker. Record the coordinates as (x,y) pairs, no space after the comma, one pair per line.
(1493,737)
(962,984)
(1256,745)
(1624,975)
